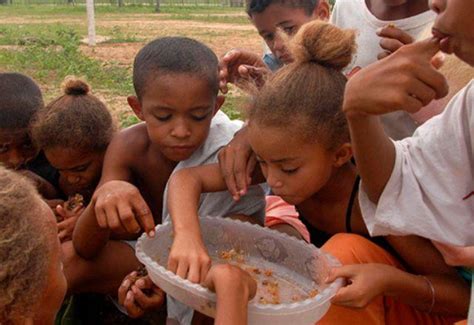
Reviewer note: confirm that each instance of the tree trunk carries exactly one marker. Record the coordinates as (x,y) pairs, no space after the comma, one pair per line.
(157,6)
(90,22)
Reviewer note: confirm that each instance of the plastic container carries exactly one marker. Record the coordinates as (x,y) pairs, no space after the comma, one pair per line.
(290,260)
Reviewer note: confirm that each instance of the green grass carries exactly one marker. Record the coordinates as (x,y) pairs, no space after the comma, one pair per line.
(50,56)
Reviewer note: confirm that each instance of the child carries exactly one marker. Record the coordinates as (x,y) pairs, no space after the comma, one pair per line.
(20,102)
(176,86)
(32,285)
(430,173)
(275,21)
(300,106)
(74,131)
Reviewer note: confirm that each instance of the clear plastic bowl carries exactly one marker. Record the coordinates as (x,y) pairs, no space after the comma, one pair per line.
(294,261)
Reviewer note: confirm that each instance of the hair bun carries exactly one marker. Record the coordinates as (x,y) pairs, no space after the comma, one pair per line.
(75,86)
(325,44)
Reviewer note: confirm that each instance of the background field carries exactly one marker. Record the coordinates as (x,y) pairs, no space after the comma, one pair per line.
(44,41)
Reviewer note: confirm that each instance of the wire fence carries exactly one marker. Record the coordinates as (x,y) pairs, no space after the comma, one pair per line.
(225,3)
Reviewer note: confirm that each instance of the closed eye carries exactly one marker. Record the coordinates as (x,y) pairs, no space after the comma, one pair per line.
(290,171)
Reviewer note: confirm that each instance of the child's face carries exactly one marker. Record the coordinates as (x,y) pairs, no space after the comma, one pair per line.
(16,148)
(178,109)
(293,168)
(275,20)
(456,24)
(79,170)
(56,287)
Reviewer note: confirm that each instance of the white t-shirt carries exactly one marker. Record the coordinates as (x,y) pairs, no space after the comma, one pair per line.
(354,14)
(430,191)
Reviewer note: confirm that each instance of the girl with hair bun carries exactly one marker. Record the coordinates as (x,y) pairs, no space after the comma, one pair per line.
(301,139)
(74,131)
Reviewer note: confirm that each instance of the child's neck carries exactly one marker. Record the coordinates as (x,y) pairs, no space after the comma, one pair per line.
(386,12)
(339,187)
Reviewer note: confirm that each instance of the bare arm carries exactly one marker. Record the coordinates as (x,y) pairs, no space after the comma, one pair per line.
(451,291)
(89,236)
(404,80)
(188,257)
(428,285)
(234,288)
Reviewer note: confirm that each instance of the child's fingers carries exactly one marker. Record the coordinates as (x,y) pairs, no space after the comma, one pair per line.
(127,218)
(344,297)
(345,271)
(113,219)
(383,55)
(64,235)
(390,45)
(123,290)
(193,273)
(395,33)
(144,215)
(426,48)
(434,80)
(146,302)
(205,267)
(182,269)
(133,310)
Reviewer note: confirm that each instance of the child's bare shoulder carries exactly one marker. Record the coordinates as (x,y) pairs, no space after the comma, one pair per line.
(131,141)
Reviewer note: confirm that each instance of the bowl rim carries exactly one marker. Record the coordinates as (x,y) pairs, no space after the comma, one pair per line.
(254,305)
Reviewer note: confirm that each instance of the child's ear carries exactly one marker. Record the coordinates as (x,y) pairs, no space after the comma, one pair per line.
(134,103)
(219,102)
(322,11)
(343,154)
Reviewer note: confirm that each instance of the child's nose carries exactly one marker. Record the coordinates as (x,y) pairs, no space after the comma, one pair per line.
(181,130)
(273,181)
(73,179)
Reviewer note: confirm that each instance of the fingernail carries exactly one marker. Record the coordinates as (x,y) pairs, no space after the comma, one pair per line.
(151,233)
(129,295)
(126,283)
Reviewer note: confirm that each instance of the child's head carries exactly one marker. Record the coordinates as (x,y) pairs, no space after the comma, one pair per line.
(296,125)
(176,83)
(32,285)
(74,131)
(276,20)
(19,102)
(454,24)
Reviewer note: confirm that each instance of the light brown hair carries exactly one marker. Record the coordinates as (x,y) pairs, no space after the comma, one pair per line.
(24,247)
(76,119)
(305,97)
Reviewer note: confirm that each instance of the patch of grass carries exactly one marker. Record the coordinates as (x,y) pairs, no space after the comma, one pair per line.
(50,59)
(128,119)
(211,18)
(119,36)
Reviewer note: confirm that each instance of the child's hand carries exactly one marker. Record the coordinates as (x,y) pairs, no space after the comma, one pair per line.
(225,277)
(393,38)
(188,257)
(456,255)
(241,64)
(237,162)
(120,207)
(140,295)
(406,80)
(364,283)
(69,219)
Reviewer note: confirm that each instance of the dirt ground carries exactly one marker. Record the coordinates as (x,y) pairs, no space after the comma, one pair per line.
(219,36)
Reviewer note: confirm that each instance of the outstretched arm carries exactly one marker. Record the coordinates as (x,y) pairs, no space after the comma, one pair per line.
(188,257)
